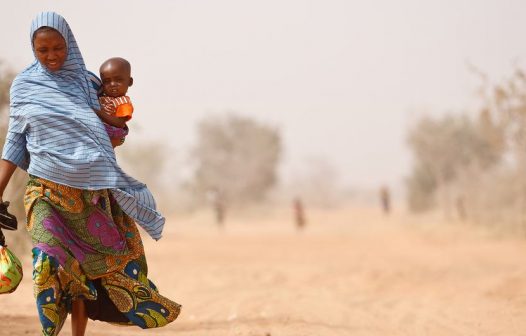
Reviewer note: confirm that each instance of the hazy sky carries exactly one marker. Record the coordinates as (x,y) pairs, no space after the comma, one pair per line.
(341,79)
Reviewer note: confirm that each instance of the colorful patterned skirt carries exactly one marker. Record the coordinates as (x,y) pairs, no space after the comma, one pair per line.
(85,247)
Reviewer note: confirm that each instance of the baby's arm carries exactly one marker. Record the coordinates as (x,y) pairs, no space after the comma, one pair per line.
(119,122)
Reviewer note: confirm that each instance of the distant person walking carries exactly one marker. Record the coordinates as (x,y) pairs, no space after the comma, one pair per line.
(385,200)
(299,213)
(216,199)
(461,208)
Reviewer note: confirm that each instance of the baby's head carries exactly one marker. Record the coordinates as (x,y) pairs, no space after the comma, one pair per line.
(116,78)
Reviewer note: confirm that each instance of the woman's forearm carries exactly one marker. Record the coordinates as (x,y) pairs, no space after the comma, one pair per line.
(7,168)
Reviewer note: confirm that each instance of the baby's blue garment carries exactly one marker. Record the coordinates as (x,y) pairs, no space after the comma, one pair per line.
(55,134)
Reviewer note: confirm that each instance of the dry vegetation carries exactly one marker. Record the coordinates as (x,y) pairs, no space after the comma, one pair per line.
(473,168)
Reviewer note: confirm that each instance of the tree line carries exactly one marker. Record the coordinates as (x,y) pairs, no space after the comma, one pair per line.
(473,166)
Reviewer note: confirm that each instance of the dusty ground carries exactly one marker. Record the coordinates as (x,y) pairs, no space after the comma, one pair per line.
(349,273)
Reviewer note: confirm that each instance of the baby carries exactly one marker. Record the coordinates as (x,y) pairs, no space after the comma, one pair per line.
(116,107)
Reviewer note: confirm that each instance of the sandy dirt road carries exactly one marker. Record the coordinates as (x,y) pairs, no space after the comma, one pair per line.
(348,273)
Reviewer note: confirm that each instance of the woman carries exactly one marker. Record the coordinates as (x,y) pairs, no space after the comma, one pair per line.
(88,257)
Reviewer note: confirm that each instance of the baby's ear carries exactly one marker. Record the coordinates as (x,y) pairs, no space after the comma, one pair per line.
(131,81)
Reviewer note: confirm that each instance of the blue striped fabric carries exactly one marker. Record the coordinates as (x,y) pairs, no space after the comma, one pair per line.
(54,133)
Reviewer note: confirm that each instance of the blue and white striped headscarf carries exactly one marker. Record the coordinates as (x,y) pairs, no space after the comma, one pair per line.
(55,134)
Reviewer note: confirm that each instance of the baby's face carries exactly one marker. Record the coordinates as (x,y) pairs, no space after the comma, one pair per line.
(115,79)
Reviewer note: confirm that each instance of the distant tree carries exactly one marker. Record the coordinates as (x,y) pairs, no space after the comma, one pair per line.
(6,78)
(145,161)
(421,186)
(148,161)
(464,156)
(506,104)
(236,156)
(442,148)
(318,182)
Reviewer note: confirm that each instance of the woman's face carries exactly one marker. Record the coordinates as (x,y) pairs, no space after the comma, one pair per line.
(50,49)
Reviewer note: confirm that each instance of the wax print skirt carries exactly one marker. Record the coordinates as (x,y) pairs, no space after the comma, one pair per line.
(85,247)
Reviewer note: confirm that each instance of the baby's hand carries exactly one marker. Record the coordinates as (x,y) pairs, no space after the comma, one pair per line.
(115,142)
(107,108)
